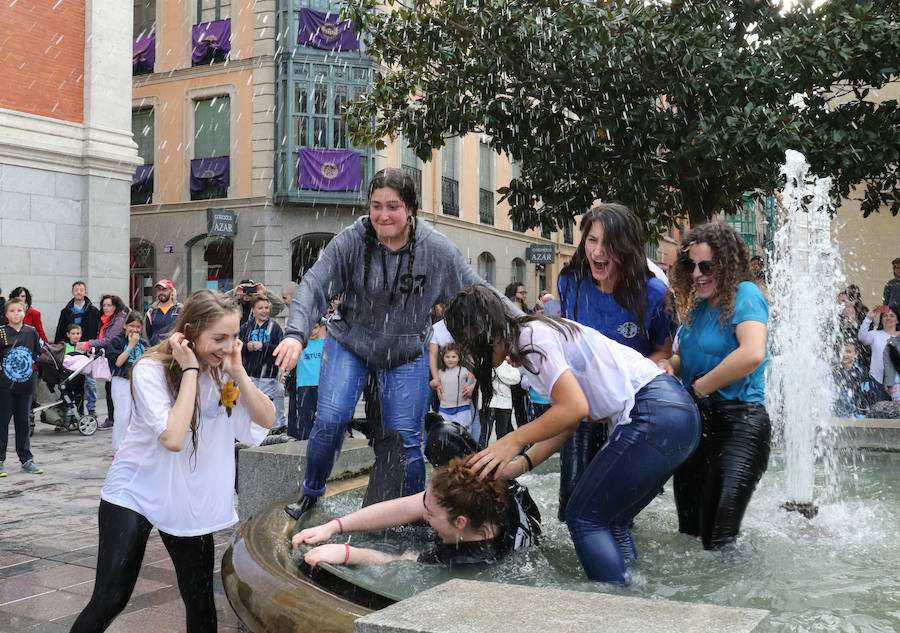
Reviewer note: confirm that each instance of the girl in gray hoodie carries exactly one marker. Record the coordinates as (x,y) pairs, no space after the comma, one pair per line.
(390,269)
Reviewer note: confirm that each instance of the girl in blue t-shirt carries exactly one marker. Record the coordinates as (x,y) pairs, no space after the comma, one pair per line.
(721,358)
(302,403)
(609,287)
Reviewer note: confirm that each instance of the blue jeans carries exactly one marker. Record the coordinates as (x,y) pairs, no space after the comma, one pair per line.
(404,400)
(627,474)
(302,412)
(90,392)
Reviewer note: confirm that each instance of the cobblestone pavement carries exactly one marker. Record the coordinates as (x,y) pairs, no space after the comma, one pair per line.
(48,544)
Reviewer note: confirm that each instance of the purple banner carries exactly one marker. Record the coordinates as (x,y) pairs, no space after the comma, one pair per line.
(210,38)
(144,54)
(210,171)
(323,30)
(328,170)
(142,180)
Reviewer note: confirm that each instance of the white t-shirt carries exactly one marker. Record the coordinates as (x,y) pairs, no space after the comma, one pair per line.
(440,335)
(608,373)
(183,493)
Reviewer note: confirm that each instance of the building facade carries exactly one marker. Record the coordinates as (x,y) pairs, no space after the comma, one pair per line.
(66,153)
(237,107)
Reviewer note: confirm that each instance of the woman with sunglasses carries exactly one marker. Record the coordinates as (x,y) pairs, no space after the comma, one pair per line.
(721,359)
(608,286)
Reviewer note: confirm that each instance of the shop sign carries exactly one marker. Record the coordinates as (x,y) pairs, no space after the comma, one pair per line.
(221,222)
(540,253)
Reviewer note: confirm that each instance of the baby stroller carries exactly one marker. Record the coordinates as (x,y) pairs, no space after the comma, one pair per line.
(63,413)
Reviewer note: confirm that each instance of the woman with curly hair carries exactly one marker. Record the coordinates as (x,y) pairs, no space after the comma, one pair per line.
(476,521)
(721,359)
(654,423)
(608,286)
(391,268)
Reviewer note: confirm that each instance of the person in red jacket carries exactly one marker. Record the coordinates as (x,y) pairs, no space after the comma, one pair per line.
(32,316)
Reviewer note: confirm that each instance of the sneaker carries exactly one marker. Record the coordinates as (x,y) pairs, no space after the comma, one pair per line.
(107,425)
(32,468)
(2,470)
(303,505)
(92,412)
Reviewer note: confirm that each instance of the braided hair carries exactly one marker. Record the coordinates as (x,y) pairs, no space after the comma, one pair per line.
(405,186)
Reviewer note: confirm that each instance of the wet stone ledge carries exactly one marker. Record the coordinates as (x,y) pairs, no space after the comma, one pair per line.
(466,606)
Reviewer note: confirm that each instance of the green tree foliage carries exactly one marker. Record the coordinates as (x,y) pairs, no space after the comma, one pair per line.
(670,107)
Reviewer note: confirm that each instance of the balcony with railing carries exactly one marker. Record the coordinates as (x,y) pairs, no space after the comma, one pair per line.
(486,206)
(450,197)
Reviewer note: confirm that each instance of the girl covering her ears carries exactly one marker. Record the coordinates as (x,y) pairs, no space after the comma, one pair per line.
(655,424)
(391,269)
(476,521)
(175,468)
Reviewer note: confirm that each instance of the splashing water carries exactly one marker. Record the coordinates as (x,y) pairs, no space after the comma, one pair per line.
(804,280)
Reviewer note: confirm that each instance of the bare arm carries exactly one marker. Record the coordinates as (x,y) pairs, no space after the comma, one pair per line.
(561,418)
(377,516)
(661,352)
(338,554)
(750,353)
(179,420)
(261,409)
(435,383)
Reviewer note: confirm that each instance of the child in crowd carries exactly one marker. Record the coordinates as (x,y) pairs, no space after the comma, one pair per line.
(457,384)
(505,376)
(76,385)
(853,389)
(303,397)
(19,347)
(125,348)
(261,335)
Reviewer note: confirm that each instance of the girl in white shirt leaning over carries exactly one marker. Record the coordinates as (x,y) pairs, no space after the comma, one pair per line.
(654,423)
(175,468)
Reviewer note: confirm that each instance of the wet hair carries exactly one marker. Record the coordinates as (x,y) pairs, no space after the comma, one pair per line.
(478,320)
(459,491)
(117,302)
(732,266)
(446,439)
(450,347)
(401,182)
(623,239)
(134,317)
(512,288)
(202,308)
(72,326)
(19,290)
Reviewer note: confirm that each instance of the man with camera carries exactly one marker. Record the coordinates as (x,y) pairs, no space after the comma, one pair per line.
(247,291)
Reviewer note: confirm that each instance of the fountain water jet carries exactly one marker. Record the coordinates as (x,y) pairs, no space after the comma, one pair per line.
(804,278)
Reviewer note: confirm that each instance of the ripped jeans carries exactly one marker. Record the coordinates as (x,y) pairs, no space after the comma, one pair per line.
(627,474)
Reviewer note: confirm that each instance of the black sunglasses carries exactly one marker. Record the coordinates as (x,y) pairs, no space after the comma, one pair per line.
(706,267)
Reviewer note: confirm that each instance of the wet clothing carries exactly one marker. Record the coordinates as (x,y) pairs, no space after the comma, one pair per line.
(521,527)
(123,539)
(584,303)
(385,315)
(88,317)
(704,343)
(713,487)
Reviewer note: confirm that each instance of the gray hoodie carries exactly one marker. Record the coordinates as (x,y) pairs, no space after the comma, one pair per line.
(387,321)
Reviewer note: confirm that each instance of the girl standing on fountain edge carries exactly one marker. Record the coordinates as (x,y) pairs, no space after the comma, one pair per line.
(721,359)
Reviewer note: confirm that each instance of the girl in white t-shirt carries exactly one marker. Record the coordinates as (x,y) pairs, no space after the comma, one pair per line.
(175,468)
(654,422)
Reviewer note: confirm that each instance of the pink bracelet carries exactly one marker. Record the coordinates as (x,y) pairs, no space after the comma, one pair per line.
(340,526)
(347,557)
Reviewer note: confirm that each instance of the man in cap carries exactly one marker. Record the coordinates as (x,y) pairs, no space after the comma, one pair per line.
(163,313)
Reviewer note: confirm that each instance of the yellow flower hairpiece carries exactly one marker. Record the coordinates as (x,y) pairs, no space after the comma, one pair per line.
(229,396)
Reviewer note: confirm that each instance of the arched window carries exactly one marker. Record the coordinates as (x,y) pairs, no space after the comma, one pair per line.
(305,251)
(486,267)
(142,270)
(518,270)
(211,263)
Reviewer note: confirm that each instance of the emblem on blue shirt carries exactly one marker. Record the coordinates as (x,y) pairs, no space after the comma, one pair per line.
(17,364)
(628,329)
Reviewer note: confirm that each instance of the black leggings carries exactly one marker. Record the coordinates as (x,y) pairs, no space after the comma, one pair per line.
(713,487)
(501,419)
(123,539)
